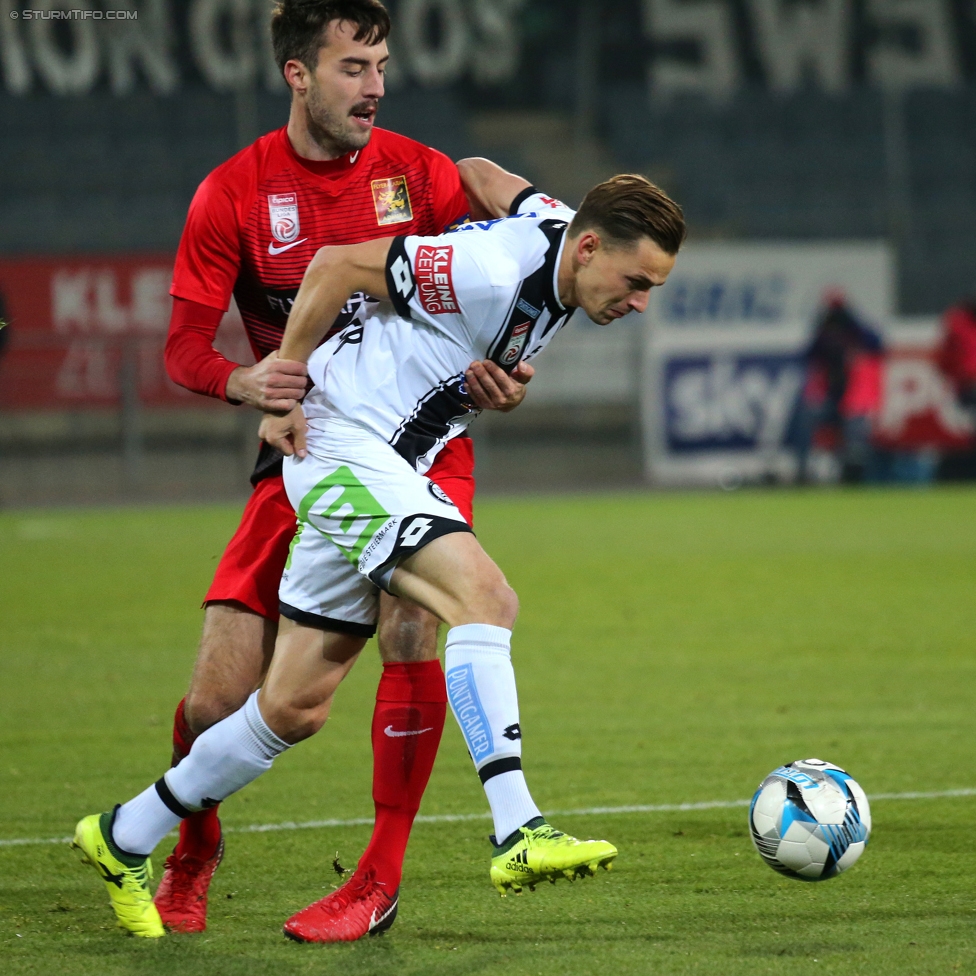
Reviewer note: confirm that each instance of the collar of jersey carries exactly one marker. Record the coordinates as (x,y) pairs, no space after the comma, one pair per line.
(555,274)
(323,167)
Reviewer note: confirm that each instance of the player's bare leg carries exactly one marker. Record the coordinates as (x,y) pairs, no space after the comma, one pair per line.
(307,668)
(406,633)
(455,578)
(233,657)
(226,757)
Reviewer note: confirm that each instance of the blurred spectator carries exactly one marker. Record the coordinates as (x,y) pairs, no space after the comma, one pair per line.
(957,352)
(4,326)
(842,393)
(957,360)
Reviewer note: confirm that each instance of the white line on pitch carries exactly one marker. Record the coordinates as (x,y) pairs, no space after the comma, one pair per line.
(459,817)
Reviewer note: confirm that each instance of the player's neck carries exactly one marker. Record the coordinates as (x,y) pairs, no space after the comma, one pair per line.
(566,276)
(302,141)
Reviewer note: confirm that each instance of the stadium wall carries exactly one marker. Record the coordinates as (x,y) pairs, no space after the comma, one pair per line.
(825,121)
(767,119)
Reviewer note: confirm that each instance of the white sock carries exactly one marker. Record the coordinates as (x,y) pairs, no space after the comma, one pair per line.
(511,803)
(142,823)
(225,758)
(484,700)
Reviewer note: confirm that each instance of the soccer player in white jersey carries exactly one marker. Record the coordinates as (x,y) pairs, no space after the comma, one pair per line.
(387,396)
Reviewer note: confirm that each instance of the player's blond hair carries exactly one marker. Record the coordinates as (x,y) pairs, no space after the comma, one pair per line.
(627,208)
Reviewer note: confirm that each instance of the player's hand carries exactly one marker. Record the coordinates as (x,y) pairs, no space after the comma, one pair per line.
(286,433)
(272,384)
(492,388)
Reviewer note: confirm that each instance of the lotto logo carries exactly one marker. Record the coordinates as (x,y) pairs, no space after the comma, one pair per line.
(400,269)
(416,530)
(432,273)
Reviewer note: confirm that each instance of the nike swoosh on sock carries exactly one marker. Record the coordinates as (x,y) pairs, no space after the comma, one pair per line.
(396,735)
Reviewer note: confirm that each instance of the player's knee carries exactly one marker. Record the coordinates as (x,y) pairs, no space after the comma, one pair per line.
(204,709)
(500,603)
(293,722)
(510,605)
(407,635)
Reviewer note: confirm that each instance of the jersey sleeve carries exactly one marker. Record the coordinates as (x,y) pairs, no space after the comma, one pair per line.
(209,255)
(450,203)
(531,200)
(458,283)
(190,358)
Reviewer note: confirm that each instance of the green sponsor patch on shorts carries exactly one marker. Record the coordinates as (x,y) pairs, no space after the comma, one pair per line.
(294,542)
(355,515)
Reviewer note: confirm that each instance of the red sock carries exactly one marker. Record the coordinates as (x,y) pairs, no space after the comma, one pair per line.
(200,832)
(411,698)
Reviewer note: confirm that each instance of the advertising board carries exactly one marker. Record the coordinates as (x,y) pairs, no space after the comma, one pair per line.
(723,362)
(79,326)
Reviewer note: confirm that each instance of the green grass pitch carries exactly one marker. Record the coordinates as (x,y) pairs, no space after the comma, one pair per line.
(670,648)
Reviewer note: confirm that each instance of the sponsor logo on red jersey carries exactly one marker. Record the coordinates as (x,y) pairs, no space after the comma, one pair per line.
(391,199)
(283,209)
(432,274)
(514,348)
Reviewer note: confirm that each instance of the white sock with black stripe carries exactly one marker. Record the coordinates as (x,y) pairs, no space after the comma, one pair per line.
(224,759)
(481,690)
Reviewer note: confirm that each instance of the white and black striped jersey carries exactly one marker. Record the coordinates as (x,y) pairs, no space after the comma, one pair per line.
(484,291)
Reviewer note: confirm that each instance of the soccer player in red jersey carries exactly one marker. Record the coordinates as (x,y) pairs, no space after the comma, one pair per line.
(328,177)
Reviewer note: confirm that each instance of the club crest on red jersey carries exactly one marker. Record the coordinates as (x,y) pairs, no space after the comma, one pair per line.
(391,199)
(435,284)
(283,209)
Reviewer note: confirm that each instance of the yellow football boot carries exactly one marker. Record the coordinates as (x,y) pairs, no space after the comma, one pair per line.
(537,852)
(128,885)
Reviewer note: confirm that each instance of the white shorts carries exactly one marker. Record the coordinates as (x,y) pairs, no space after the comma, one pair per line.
(361,509)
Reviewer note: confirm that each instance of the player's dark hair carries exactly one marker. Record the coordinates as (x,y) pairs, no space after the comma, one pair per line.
(297,26)
(627,208)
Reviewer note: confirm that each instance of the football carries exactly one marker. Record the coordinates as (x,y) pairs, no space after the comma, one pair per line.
(809,820)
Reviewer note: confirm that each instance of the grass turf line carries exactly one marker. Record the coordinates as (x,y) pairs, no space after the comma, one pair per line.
(669,648)
(486,815)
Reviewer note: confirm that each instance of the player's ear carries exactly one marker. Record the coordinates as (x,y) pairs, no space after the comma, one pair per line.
(587,245)
(297,76)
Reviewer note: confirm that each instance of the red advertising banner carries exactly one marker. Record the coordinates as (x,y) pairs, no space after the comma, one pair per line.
(79,328)
(919,408)
(75,325)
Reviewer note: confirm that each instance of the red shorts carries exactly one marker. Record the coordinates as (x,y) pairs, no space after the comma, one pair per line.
(250,569)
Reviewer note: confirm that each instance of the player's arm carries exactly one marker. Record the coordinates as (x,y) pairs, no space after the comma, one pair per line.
(207,266)
(331,277)
(489,188)
(193,363)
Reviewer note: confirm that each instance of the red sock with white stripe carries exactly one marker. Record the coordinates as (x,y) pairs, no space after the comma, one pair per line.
(408,720)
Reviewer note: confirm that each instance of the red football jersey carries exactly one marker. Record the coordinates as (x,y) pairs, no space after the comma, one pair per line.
(256,221)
